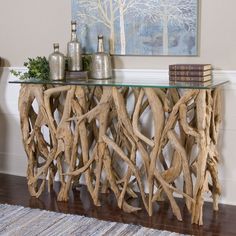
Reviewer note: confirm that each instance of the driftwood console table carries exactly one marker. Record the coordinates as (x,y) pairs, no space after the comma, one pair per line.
(94,131)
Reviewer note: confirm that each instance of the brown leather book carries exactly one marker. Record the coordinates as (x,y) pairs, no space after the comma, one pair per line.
(189,73)
(192,83)
(77,75)
(192,67)
(190,78)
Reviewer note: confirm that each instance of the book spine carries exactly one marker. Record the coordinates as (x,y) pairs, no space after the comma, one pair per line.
(188,78)
(76,74)
(186,67)
(189,73)
(193,83)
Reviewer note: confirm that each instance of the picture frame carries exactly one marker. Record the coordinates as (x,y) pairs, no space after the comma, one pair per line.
(137,27)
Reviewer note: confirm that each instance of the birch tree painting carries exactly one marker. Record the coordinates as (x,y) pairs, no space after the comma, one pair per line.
(138,27)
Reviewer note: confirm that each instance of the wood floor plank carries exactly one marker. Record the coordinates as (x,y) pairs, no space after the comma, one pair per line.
(13,190)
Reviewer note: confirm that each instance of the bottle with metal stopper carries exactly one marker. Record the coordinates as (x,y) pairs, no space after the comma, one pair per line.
(74,51)
(101,62)
(57,64)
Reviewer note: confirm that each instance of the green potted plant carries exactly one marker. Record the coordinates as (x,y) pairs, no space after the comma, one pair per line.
(38,68)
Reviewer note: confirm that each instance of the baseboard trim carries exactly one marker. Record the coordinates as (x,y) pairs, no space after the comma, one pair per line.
(160,74)
(147,73)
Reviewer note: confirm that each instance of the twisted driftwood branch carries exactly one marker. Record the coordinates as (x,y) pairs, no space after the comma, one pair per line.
(92,133)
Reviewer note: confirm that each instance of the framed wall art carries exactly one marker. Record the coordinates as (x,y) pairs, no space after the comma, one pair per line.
(138,27)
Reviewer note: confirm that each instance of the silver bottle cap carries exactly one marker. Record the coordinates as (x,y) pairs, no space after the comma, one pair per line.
(73,26)
(56,45)
(100,46)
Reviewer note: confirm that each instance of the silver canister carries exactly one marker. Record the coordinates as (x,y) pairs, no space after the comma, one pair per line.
(57,64)
(101,62)
(74,51)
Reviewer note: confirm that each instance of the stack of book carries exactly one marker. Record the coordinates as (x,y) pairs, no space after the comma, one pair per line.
(190,72)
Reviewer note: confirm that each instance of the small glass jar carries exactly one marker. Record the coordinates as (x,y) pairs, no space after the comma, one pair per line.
(57,64)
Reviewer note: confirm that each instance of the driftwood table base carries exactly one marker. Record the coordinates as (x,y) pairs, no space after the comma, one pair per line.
(97,135)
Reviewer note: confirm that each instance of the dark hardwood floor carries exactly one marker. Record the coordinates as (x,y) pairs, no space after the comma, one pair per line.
(13,190)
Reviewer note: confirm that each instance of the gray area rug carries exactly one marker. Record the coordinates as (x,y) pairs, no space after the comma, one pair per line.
(17,220)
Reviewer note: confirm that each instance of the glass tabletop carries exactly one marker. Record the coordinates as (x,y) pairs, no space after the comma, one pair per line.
(130,82)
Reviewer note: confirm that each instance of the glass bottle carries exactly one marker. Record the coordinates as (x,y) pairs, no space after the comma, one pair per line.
(101,62)
(74,51)
(57,64)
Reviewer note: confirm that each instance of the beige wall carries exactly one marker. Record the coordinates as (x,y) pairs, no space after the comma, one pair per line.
(29,27)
